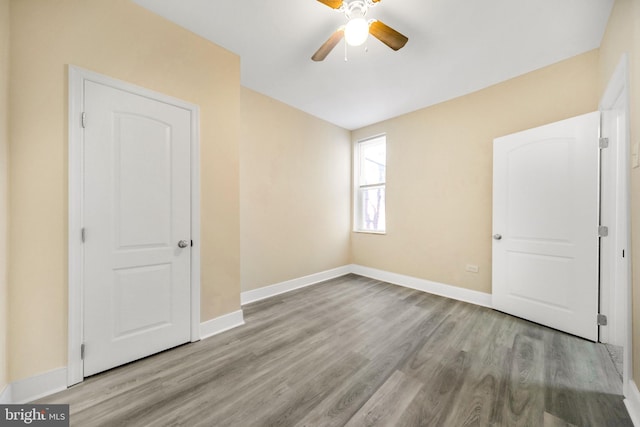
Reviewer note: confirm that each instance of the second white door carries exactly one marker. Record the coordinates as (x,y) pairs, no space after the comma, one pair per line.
(545,224)
(137,221)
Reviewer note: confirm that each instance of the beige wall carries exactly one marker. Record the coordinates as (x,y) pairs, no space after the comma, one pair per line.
(119,39)
(623,35)
(294,192)
(4,135)
(439,171)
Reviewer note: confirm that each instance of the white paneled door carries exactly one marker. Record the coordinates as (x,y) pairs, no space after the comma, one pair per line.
(137,226)
(545,225)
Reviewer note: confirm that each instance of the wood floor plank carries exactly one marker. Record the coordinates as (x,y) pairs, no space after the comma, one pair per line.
(388,403)
(310,393)
(440,393)
(484,389)
(283,370)
(302,393)
(524,401)
(604,410)
(552,421)
(562,396)
(346,400)
(358,351)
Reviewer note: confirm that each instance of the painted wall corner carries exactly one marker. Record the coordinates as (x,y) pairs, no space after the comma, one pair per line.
(295,189)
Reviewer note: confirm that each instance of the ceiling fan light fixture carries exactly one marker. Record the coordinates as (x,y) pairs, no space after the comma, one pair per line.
(356,31)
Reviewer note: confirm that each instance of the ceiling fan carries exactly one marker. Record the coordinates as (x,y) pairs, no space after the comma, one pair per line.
(357,28)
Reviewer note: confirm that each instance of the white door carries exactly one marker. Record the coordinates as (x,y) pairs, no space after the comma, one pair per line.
(545,225)
(137,208)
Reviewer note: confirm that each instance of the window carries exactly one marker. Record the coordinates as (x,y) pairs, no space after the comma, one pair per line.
(370,168)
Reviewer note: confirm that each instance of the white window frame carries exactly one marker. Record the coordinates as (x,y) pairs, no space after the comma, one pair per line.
(357,200)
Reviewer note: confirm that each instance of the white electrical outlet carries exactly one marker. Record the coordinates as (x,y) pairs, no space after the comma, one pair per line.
(472,268)
(635,161)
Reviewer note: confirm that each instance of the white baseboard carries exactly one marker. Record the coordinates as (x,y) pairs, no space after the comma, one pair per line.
(289,285)
(220,324)
(632,402)
(5,395)
(449,291)
(38,386)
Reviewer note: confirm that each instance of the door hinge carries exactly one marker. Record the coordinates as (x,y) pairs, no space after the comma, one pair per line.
(82,351)
(83,119)
(604,143)
(603,231)
(602,320)
(192,243)
(82,234)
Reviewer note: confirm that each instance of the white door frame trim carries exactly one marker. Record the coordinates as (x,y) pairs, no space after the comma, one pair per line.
(619,86)
(77,78)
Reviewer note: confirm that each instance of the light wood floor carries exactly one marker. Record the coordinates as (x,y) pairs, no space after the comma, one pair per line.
(355,351)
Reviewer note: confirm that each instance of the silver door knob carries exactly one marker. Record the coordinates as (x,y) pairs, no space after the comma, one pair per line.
(183,243)
(497,236)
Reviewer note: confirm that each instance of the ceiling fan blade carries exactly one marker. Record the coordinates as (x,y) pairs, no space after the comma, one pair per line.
(334,4)
(328,45)
(387,35)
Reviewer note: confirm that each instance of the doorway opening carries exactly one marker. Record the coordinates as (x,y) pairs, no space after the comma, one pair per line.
(615,286)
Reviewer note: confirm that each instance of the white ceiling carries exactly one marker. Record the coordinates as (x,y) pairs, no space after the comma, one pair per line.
(455,47)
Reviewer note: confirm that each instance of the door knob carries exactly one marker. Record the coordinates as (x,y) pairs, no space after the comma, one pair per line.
(497,236)
(183,243)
